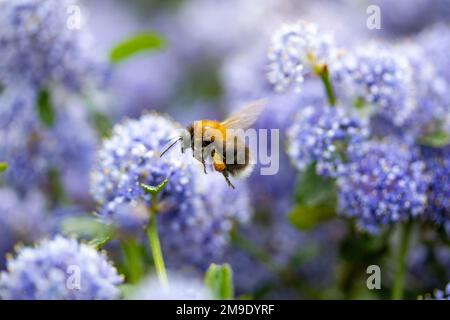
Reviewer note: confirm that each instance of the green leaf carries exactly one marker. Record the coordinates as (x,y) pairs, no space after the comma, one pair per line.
(145,41)
(359,103)
(57,194)
(313,189)
(100,241)
(315,200)
(154,190)
(102,124)
(88,228)
(219,279)
(362,248)
(437,139)
(3,167)
(305,217)
(45,108)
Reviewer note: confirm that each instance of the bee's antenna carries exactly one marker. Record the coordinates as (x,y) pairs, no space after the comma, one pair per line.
(170,146)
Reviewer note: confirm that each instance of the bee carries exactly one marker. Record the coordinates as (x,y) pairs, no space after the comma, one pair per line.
(217,141)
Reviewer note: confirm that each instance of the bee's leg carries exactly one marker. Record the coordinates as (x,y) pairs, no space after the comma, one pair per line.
(225,175)
(204,165)
(220,166)
(203,162)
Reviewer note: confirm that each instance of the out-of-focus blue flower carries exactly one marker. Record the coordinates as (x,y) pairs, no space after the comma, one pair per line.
(59,269)
(383,183)
(243,78)
(322,135)
(430,90)
(440,294)
(127,216)
(217,208)
(179,288)
(196,212)
(198,23)
(40,44)
(143,83)
(435,42)
(294,52)
(443,295)
(438,168)
(428,265)
(32,149)
(406,16)
(22,219)
(378,80)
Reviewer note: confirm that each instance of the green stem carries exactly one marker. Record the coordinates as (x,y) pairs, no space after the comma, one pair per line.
(155,245)
(401,262)
(324,75)
(57,193)
(133,260)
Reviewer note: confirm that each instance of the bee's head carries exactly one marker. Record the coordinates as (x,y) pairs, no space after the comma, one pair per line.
(185,138)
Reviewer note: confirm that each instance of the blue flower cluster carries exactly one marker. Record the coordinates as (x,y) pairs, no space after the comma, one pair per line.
(437,163)
(322,135)
(21,219)
(32,149)
(40,44)
(132,157)
(295,51)
(377,78)
(389,97)
(46,53)
(195,212)
(59,269)
(383,183)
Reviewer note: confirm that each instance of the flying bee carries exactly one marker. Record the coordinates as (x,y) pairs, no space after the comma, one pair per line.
(220,142)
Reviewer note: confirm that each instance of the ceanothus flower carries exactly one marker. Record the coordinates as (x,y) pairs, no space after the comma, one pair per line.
(295,50)
(132,157)
(437,161)
(196,212)
(321,135)
(179,288)
(23,218)
(377,79)
(32,149)
(383,183)
(216,210)
(39,45)
(45,272)
(430,92)
(436,43)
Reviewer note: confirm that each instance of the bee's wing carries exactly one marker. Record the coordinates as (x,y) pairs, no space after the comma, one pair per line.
(245,117)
